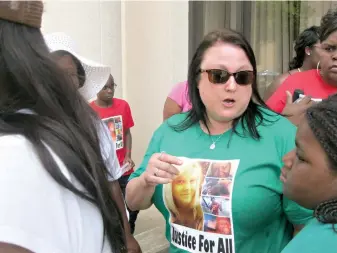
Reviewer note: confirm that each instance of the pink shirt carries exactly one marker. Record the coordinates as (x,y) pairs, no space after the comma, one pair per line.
(179,94)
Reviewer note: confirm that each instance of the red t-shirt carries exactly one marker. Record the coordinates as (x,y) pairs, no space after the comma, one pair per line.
(310,82)
(118,119)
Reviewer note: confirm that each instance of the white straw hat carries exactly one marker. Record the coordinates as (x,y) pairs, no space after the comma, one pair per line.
(96,74)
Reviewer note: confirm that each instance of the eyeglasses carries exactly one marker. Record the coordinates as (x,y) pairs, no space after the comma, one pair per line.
(329,49)
(110,87)
(220,76)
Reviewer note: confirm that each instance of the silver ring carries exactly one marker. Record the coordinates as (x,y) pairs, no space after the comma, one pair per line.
(156,173)
(161,153)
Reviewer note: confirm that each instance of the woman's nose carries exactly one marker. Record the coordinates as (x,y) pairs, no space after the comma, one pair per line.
(230,84)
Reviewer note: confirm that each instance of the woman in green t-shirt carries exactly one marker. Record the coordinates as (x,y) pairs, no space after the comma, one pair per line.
(235,146)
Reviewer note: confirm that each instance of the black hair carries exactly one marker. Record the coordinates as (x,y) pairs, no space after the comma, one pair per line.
(79,67)
(307,38)
(328,24)
(253,115)
(323,123)
(31,79)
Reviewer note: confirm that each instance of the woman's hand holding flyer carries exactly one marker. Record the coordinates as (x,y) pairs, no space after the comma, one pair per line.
(161,169)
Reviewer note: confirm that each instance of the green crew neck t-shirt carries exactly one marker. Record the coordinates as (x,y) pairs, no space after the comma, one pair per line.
(314,238)
(227,199)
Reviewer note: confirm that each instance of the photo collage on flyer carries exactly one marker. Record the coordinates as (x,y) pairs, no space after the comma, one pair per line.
(115,126)
(200,207)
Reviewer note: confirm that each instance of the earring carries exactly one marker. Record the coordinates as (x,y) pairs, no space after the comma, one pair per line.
(308,53)
(318,67)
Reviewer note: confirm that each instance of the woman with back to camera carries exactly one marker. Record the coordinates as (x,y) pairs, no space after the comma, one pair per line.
(224,125)
(318,83)
(312,179)
(306,57)
(54,193)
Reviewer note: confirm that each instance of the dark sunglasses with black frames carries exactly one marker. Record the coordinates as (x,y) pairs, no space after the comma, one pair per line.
(220,76)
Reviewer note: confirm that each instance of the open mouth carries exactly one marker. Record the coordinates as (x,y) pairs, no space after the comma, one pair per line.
(228,102)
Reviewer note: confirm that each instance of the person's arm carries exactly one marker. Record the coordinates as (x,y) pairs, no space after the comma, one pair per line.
(128,137)
(117,195)
(170,108)
(274,86)
(128,143)
(175,100)
(278,99)
(139,194)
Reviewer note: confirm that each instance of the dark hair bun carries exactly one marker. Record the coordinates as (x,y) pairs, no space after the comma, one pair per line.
(328,24)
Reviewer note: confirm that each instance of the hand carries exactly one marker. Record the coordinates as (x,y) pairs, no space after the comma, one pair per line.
(129,160)
(132,245)
(295,111)
(161,169)
(288,161)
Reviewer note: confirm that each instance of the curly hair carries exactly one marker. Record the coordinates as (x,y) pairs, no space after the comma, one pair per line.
(307,38)
(328,24)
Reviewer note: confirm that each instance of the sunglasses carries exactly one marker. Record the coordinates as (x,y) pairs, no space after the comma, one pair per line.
(219,76)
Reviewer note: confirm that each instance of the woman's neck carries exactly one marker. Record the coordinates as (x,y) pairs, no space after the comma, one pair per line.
(306,66)
(216,127)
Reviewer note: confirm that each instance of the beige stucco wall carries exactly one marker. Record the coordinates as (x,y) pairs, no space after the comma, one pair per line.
(95,26)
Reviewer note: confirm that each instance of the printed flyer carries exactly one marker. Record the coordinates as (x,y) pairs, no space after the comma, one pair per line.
(200,207)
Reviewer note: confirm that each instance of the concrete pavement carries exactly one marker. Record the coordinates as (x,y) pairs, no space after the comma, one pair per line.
(150,231)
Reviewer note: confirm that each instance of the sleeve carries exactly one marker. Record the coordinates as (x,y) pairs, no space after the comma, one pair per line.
(296,214)
(278,100)
(129,123)
(177,93)
(153,147)
(108,149)
(32,212)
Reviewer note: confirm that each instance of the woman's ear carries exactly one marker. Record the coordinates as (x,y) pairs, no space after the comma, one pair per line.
(307,51)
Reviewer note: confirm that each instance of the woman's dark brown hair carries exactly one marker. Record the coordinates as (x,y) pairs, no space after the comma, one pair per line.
(253,116)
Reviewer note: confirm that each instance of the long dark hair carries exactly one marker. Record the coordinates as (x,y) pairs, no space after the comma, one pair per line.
(323,123)
(328,24)
(307,38)
(30,79)
(79,67)
(253,115)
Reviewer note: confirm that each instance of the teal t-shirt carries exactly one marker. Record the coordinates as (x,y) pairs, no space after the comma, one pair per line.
(227,199)
(314,238)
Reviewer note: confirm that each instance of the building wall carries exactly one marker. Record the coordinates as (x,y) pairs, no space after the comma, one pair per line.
(144,42)
(95,26)
(156,53)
